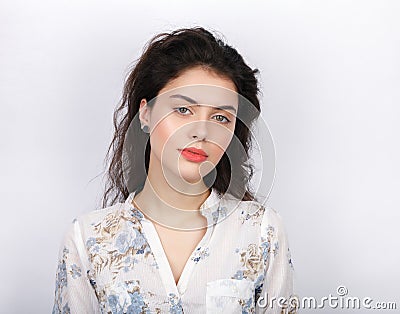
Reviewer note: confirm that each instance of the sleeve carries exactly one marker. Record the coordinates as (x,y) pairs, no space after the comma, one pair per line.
(73,290)
(277,288)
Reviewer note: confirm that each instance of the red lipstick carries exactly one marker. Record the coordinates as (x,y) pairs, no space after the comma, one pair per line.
(194,154)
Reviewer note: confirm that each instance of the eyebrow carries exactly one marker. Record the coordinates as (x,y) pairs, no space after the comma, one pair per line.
(192,101)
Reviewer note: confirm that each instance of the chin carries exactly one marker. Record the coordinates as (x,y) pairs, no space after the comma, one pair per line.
(190,175)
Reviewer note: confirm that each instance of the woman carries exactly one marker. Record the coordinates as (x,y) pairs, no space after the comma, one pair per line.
(182,232)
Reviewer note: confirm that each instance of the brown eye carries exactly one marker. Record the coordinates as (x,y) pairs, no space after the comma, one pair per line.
(220,118)
(182,110)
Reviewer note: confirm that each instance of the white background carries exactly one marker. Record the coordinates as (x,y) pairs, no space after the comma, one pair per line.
(330,75)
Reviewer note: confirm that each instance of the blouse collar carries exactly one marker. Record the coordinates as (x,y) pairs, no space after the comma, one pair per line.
(209,208)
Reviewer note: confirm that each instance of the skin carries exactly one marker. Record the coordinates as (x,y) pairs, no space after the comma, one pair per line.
(174,190)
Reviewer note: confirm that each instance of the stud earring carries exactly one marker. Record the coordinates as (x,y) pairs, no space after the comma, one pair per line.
(145,129)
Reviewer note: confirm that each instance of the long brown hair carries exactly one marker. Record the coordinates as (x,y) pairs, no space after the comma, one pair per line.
(164,58)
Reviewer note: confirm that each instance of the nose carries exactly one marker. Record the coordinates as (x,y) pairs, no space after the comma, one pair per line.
(198,129)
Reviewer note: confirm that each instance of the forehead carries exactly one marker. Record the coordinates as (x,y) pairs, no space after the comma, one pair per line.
(206,95)
(203,86)
(200,75)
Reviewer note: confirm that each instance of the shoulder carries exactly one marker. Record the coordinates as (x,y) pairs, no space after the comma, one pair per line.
(106,220)
(258,213)
(98,215)
(262,215)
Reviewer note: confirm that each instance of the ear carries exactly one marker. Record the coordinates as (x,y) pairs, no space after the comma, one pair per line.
(144,112)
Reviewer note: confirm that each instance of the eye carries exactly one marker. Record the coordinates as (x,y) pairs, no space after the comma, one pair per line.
(182,110)
(220,118)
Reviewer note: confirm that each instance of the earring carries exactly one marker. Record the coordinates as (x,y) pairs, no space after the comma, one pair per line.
(145,129)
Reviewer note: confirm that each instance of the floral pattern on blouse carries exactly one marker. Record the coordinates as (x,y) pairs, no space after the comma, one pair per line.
(112,261)
(114,245)
(175,304)
(200,254)
(126,297)
(253,214)
(61,282)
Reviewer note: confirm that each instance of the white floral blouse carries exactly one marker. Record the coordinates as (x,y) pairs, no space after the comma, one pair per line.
(112,261)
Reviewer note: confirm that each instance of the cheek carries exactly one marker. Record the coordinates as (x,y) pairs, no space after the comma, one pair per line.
(221,136)
(221,141)
(216,154)
(162,135)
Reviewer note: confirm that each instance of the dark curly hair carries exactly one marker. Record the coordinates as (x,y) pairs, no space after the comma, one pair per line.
(164,58)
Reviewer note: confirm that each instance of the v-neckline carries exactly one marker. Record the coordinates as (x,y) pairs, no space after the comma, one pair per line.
(163,263)
(159,254)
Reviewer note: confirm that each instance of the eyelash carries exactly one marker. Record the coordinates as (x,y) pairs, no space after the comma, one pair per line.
(177,109)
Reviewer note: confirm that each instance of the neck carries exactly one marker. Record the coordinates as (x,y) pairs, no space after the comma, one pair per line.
(171,202)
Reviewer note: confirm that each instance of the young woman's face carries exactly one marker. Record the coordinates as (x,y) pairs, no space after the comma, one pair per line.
(187,115)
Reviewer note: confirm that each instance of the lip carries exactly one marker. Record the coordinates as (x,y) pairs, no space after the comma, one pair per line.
(193,154)
(195,151)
